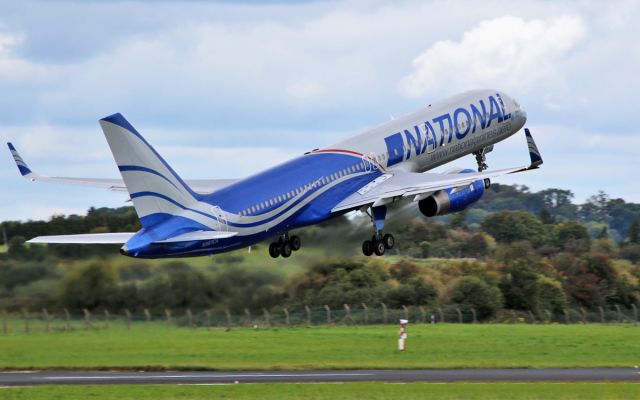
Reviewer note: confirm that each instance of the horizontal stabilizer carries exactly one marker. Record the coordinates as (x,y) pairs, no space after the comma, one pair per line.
(86,238)
(198,235)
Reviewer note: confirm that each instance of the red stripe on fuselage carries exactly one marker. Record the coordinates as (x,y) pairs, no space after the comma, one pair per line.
(349,152)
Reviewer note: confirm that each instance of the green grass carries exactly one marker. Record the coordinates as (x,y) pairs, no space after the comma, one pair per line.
(160,346)
(283,391)
(3,248)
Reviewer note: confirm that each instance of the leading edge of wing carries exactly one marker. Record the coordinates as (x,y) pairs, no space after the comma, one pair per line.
(404,184)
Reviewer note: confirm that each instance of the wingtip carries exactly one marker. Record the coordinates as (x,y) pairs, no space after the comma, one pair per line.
(22,166)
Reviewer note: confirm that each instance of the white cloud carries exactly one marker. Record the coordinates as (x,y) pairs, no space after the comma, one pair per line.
(506,53)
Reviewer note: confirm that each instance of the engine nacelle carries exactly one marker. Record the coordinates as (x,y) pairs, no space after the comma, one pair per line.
(454,199)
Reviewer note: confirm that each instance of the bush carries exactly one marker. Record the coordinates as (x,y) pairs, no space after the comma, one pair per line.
(474,292)
(514,226)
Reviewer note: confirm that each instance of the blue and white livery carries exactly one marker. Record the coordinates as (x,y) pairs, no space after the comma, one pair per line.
(369,172)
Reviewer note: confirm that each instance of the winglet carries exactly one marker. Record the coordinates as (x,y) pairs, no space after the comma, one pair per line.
(22,166)
(536,159)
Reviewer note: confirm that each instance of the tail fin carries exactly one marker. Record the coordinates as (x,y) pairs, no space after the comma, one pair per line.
(156,190)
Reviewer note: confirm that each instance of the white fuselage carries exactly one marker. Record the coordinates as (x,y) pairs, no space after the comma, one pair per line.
(440,132)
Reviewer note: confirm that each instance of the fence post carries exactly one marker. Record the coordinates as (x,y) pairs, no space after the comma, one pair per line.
(459,315)
(267,317)
(326,307)
(441,315)
(406,312)
(366,313)
(533,318)
(127,317)
(514,317)
(45,316)
(67,320)
(548,315)
(147,316)
(25,314)
(620,319)
(347,314)
(287,319)
(566,316)
(384,313)
(106,318)
(308,310)
(87,319)
(473,313)
(167,314)
(189,318)
(247,317)
(584,315)
(601,314)
(635,313)
(207,313)
(228,315)
(423,314)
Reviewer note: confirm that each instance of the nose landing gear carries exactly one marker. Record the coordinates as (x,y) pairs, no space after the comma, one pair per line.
(285,246)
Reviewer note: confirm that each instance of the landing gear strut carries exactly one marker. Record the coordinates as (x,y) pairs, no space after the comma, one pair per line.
(379,242)
(285,246)
(481,157)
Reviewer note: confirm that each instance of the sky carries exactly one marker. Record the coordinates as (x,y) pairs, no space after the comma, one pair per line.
(225,89)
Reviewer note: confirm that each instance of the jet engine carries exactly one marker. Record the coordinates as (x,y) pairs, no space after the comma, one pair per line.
(453,199)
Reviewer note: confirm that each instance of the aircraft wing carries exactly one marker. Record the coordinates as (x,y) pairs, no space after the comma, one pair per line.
(387,188)
(86,238)
(123,237)
(202,186)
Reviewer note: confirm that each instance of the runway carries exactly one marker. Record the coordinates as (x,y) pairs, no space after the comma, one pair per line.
(24,378)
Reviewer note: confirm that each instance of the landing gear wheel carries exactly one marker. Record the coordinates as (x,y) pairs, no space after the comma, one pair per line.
(285,249)
(295,242)
(274,250)
(367,248)
(487,183)
(378,248)
(389,241)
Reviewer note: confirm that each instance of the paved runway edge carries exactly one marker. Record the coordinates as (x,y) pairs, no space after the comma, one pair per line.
(25,378)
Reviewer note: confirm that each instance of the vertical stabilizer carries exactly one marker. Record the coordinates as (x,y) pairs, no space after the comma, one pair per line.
(157,192)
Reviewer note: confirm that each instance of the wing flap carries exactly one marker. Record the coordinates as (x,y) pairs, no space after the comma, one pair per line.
(198,235)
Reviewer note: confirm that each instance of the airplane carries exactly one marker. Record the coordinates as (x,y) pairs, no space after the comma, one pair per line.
(370,172)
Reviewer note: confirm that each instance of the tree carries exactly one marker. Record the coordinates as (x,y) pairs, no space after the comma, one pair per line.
(514,226)
(571,236)
(474,292)
(634,231)
(546,217)
(90,286)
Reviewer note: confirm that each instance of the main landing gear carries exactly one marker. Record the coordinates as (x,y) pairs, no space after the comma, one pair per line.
(379,243)
(285,246)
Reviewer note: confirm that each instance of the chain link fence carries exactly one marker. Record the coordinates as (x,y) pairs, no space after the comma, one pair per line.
(362,314)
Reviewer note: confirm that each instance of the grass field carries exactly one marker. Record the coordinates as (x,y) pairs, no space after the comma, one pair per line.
(159,346)
(372,391)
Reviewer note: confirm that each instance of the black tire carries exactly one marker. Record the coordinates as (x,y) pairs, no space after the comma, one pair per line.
(389,241)
(378,248)
(274,250)
(285,249)
(367,248)
(487,183)
(295,242)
